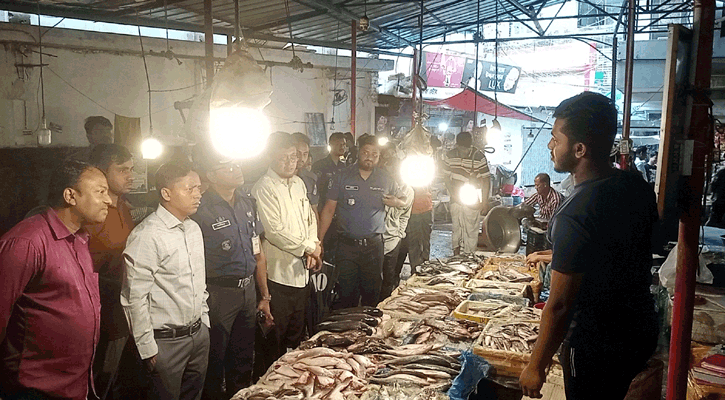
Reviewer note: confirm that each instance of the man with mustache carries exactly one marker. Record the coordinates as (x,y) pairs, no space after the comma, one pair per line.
(164,291)
(50,309)
(107,241)
(359,195)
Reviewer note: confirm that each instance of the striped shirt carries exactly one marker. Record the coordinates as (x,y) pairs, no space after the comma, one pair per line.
(547,205)
(461,165)
(165,285)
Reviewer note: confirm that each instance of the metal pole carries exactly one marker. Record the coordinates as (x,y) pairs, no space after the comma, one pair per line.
(628,72)
(613,94)
(415,86)
(208,42)
(699,131)
(230,46)
(353,80)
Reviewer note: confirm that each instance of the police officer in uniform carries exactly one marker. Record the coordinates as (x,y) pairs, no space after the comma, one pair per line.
(359,195)
(326,169)
(234,262)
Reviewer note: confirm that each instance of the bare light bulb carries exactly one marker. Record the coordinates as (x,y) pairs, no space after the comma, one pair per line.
(469,194)
(418,170)
(151,149)
(383,140)
(238,132)
(443,126)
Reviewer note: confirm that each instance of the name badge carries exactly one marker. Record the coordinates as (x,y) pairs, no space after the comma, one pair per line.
(351,187)
(221,224)
(256,246)
(377,189)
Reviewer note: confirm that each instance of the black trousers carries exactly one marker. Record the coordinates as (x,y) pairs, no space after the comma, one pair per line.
(232,312)
(360,272)
(417,241)
(391,272)
(288,307)
(600,368)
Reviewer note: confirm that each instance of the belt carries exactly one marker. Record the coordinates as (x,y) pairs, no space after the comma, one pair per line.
(177,333)
(231,281)
(364,242)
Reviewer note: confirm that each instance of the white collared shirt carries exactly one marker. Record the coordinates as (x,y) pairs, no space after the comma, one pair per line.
(165,285)
(290,227)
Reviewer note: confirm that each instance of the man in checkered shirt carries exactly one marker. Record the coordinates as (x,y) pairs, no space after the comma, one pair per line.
(546,197)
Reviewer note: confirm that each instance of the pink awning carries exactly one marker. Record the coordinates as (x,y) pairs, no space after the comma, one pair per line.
(466,100)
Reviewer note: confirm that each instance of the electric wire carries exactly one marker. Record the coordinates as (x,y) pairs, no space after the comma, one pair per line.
(148,80)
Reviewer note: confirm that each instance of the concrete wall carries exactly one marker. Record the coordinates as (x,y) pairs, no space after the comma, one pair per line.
(91,73)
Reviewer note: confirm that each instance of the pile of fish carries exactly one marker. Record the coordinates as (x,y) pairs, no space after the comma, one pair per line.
(490,284)
(520,313)
(446,279)
(432,330)
(465,265)
(363,319)
(507,274)
(318,373)
(510,336)
(435,369)
(423,302)
(488,308)
(397,392)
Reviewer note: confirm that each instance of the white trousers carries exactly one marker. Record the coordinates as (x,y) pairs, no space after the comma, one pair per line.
(466,227)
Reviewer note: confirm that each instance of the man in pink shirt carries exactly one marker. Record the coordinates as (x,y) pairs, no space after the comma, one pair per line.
(49,305)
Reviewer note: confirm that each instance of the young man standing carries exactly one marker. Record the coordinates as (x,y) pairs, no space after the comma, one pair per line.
(359,195)
(164,291)
(599,305)
(290,241)
(107,241)
(50,310)
(326,169)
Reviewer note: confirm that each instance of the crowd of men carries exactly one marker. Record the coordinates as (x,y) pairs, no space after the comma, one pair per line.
(181,296)
(169,306)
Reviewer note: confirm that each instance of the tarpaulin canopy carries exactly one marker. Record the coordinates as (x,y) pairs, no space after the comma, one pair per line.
(467,101)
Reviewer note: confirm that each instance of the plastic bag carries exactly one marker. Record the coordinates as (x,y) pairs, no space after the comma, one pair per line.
(668,271)
(473,369)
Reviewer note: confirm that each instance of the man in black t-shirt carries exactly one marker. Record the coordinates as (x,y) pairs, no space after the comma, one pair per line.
(599,305)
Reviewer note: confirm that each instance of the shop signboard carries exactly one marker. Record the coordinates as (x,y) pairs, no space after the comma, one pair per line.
(505,82)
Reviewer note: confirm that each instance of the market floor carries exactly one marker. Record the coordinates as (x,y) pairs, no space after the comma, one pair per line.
(440,246)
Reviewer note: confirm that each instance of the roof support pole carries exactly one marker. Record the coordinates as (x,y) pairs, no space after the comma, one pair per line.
(208,42)
(414,74)
(698,130)
(353,76)
(628,73)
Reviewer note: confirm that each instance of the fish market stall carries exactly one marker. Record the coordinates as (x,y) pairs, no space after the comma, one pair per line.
(411,345)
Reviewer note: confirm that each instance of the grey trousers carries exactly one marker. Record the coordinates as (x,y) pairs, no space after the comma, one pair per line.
(466,227)
(180,367)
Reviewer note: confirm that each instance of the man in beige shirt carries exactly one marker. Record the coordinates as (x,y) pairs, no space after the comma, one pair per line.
(290,240)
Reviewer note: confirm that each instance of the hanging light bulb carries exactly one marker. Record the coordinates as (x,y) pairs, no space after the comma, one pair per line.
(495,127)
(469,194)
(44,135)
(151,148)
(238,132)
(443,126)
(383,140)
(418,170)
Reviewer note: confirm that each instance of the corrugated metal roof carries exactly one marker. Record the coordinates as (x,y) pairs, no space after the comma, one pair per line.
(394,23)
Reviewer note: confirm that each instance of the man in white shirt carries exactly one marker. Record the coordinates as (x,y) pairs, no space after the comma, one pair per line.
(164,292)
(290,240)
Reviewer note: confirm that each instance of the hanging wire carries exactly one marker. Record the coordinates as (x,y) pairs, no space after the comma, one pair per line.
(495,55)
(148,81)
(166,22)
(475,77)
(40,47)
(289,26)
